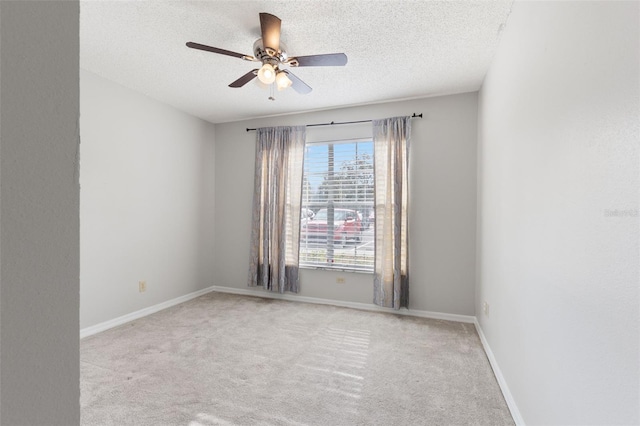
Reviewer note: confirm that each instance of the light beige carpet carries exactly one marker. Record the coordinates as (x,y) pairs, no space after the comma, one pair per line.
(224,359)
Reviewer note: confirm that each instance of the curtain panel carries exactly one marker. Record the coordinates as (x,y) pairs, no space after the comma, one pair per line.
(275,227)
(391,169)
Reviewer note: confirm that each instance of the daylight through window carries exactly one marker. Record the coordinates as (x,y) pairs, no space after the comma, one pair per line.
(337,206)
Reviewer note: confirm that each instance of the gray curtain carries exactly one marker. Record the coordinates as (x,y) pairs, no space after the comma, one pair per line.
(391,170)
(275,230)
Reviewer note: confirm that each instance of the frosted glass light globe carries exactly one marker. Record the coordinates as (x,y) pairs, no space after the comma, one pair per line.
(282,80)
(267,74)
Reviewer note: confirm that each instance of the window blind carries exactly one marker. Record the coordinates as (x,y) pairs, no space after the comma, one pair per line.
(336,230)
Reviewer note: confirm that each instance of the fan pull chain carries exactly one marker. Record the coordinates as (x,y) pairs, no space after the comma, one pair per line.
(271,92)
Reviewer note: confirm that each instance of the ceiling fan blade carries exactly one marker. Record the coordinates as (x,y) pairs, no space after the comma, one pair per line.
(270,26)
(216,50)
(328,60)
(297,84)
(245,79)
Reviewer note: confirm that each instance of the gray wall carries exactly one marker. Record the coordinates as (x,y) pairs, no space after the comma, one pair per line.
(442,210)
(39,247)
(558,211)
(146,201)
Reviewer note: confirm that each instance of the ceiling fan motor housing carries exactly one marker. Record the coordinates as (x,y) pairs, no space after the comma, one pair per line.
(268,55)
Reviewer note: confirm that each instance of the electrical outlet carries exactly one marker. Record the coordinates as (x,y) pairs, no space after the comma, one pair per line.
(142,286)
(485,308)
(340,280)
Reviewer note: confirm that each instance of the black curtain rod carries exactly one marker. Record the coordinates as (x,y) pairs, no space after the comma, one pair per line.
(333,123)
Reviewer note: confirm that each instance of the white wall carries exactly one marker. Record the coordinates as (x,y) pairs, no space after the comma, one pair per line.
(558,155)
(146,201)
(39,243)
(442,211)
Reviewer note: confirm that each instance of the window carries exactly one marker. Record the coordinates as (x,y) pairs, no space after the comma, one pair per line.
(337,206)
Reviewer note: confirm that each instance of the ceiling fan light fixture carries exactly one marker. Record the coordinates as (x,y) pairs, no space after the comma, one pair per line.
(267,74)
(272,53)
(283,81)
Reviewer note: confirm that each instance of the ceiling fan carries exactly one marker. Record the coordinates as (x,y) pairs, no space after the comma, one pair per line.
(272,53)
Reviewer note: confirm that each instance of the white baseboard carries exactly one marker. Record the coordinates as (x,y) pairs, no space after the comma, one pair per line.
(355,305)
(103,326)
(94,329)
(511,403)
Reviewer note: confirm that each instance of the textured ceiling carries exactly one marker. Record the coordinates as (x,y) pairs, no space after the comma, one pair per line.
(396,49)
